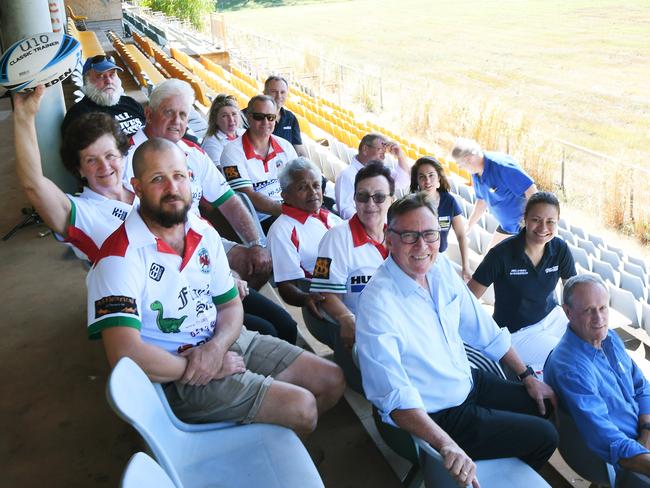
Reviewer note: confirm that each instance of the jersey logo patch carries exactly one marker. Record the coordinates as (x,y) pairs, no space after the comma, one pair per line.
(204,260)
(322,268)
(231,172)
(115,304)
(166,324)
(552,269)
(156,271)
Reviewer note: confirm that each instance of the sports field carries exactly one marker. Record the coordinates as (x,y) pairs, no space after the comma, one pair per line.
(578,70)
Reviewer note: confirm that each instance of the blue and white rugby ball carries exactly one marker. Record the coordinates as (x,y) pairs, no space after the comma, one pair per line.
(46,59)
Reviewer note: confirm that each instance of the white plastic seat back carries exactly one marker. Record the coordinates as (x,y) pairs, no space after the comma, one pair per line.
(634,285)
(605,271)
(144,472)
(492,473)
(623,301)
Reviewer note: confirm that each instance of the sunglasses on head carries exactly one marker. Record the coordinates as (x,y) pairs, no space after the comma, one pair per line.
(363,197)
(260,116)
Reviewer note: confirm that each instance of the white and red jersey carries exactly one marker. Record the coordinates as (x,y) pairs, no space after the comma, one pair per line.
(293,241)
(138,281)
(213,145)
(205,179)
(93,217)
(244,168)
(347,259)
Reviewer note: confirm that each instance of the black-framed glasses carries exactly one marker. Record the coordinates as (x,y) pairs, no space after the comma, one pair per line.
(260,116)
(411,236)
(364,197)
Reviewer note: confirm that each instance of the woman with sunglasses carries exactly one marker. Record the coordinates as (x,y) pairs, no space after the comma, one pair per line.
(427,175)
(93,149)
(348,256)
(224,126)
(251,163)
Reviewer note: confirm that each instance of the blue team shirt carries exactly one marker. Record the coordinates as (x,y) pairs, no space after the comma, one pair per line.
(287,127)
(502,186)
(603,390)
(448,208)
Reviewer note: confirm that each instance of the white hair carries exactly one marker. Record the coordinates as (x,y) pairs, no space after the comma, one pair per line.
(287,174)
(170,88)
(100,97)
(465,147)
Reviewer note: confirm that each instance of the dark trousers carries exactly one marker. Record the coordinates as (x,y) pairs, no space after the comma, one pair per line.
(266,317)
(499,420)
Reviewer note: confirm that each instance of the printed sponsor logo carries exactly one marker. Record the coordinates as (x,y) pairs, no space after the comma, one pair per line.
(552,269)
(322,268)
(115,304)
(231,173)
(445,222)
(156,271)
(518,272)
(119,213)
(358,283)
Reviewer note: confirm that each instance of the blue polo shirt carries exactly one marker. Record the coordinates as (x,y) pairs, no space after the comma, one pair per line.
(448,208)
(502,186)
(287,127)
(524,294)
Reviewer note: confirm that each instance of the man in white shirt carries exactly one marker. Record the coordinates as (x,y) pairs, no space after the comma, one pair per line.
(162,294)
(373,147)
(413,317)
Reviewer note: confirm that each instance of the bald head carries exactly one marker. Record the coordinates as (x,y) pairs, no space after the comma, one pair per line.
(142,158)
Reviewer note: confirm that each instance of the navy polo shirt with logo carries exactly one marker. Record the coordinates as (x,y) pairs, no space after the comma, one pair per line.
(448,208)
(287,127)
(524,294)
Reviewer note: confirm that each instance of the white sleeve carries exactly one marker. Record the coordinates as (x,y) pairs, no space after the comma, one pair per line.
(344,190)
(284,254)
(331,271)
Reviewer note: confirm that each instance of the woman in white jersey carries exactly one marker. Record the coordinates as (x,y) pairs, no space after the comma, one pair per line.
(348,256)
(93,149)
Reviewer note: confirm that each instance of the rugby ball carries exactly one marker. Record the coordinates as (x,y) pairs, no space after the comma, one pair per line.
(46,59)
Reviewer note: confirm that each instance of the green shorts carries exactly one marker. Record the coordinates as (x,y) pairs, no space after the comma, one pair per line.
(235,398)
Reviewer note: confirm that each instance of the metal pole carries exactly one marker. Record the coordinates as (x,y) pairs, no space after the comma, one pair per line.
(18,19)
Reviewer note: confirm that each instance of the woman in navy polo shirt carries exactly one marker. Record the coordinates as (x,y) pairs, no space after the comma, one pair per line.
(428,175)
(525,269)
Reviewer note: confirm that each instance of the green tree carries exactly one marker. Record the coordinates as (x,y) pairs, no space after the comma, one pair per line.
(196,11)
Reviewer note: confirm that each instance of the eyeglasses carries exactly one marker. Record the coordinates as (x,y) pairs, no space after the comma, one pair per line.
(411,236)
(260,116)
(363,197)
(382,145)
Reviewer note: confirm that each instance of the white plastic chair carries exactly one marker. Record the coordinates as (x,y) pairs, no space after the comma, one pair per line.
(623,301)
(588,246)
(611,257)
(467,193)
(617,250)
(492,473)
(605,271)
(634,285)
(639,262)
(491,223)
(567,235)
(243,456)
(580,256)
(597,240)
(636,270)
(144,472)
(578,231)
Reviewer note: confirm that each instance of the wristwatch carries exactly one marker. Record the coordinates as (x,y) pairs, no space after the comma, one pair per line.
(645,426)
(256,242)
(527,372)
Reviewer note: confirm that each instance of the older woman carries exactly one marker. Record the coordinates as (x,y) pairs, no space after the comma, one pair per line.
(428,175)
(93,149)
(224,125)
(348,256)
(525,270)
(294,237)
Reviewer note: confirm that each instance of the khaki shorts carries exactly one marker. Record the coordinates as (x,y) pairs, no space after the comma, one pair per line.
(235,398)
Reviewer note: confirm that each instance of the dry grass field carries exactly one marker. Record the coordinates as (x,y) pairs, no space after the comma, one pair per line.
(577,70)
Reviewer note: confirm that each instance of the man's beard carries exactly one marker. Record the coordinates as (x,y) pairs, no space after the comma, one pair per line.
(165,218)
(102,98)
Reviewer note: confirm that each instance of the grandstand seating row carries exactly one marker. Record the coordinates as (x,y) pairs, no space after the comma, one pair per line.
(90,45)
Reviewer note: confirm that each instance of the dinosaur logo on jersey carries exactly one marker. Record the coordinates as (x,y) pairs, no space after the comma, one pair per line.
(166,324)
(322,268)
(204,260)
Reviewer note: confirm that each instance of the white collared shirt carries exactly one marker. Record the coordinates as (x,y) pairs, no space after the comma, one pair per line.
(410,340)
(138,281)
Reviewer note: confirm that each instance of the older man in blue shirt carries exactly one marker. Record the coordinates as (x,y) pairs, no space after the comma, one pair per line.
(597,381)
(413,317)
